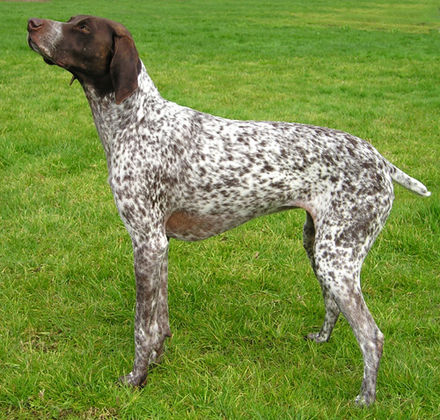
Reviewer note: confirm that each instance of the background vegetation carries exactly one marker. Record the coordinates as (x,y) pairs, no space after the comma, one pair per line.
(241,302)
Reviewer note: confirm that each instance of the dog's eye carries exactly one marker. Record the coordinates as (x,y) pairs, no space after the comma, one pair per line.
(83,28)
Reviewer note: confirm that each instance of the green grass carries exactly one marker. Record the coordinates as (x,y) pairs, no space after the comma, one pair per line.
(240,303)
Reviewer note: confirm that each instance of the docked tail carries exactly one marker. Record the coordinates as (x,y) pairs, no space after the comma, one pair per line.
(406,181)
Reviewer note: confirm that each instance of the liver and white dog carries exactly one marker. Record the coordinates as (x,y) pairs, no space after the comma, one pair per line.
(179,173)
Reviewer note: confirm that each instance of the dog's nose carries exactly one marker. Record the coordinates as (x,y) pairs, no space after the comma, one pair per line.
(35,24)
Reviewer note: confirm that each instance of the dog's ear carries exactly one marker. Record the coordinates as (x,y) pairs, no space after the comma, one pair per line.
(124,66)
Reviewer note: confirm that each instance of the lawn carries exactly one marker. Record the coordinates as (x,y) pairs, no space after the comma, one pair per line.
(240,303)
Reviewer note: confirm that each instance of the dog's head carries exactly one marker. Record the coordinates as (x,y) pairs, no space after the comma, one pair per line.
(97,51)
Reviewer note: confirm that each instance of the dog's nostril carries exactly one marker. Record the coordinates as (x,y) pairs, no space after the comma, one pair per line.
(34,24)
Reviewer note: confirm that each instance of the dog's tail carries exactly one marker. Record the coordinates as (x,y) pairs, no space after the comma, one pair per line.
(408,182)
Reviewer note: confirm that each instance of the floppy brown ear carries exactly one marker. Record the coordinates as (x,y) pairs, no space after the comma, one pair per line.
(124,67)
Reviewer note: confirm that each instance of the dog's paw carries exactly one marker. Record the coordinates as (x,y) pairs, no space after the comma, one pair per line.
(364,400)
(134,380)
(316,337)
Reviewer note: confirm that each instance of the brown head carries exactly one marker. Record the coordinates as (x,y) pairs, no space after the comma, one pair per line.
(98,52)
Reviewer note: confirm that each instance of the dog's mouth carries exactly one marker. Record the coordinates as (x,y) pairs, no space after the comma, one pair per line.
(48,61)
(34,46)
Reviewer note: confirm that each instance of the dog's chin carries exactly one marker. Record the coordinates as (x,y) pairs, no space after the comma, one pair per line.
(48,61)
(35,47)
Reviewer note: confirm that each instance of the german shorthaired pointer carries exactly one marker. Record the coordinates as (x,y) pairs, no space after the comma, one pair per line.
(179,173)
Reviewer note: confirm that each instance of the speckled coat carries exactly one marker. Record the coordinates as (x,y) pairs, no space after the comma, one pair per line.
(180,173)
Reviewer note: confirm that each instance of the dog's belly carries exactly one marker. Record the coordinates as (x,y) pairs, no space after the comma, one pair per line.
(187,226)
(193,227)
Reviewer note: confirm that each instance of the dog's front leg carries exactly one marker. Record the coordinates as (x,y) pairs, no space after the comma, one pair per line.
(151,320)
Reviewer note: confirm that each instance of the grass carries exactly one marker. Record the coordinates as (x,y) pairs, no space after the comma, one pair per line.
(241,302)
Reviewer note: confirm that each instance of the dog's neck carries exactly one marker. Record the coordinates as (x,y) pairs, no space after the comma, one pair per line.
(112,120)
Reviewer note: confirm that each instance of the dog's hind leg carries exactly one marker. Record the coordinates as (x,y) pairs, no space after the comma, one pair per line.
(331,309)
(341,245)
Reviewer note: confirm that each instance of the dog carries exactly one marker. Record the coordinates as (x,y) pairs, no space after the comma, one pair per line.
(180,173)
